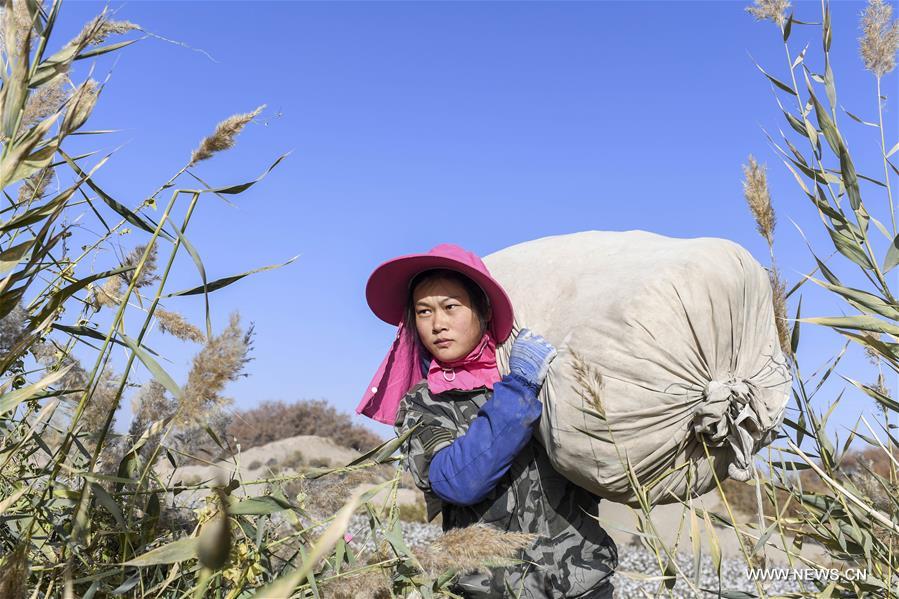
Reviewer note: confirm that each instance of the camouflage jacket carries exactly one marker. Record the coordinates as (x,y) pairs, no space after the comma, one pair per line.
(572,555)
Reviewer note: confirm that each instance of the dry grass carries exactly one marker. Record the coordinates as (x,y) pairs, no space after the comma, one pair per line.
(473,548)
(371,584)
(14,574)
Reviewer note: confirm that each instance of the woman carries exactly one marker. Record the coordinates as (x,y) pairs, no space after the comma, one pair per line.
(472,450)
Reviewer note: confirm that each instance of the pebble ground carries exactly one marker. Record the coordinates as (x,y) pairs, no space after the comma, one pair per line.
(637,559)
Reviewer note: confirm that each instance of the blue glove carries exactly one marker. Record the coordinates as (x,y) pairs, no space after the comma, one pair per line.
(467,470)
(530,357)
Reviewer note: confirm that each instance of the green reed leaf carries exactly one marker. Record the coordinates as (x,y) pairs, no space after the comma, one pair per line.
(15,82)
(860,323)
(259,506)
(109,503)
(859,119)
(850,179)
(174,552)
(141,222)
(893,150)
(794,334)
(284,586)
(796,124)
(11,400)
(730,594)
(849,248)
(235,189)
(225,281)
(11,257)
(864,301)
(775,80)
(827,126)
(83,331)
(57,65)
(104,49)
(784,465)
(155,369)
(873,393)
(892,256)
(38,214)
(383,451)
(829,83)
(65,293)
(198,262)
(800,58)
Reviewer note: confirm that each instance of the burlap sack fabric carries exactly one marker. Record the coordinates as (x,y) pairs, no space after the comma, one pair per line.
(676,338)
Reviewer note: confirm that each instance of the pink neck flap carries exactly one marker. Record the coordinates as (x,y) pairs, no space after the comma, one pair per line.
(477,369)
(400,371)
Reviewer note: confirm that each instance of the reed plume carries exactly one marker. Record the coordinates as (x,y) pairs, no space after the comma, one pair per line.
(880,38)
(221,360)
(98,29)
(224,135)
(44,101)
(755,190)
(772,10)
(148,273)
(34,187)
(779,300)
(175,325)
(109,294)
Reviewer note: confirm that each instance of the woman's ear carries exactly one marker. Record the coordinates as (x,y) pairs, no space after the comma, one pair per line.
(487,320)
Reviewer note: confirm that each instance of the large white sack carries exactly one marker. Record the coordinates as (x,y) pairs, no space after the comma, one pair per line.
(679,338)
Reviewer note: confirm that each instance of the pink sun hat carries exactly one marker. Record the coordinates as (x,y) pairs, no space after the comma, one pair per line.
(387,290)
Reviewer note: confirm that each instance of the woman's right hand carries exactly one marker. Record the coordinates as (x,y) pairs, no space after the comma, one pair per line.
(530,357)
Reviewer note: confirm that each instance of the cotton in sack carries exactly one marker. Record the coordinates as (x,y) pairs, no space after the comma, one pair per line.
(662,343)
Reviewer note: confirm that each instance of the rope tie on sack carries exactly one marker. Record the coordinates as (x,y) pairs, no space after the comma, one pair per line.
(728,415)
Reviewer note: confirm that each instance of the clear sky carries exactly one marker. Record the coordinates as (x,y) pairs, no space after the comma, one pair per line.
(482,124)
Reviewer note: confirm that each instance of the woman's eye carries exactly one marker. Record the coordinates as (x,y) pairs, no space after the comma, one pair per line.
(422,312)
(451,306)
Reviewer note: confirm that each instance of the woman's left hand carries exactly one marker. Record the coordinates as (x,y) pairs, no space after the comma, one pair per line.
(530,357)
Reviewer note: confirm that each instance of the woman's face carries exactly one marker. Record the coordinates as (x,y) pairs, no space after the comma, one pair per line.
(447,324)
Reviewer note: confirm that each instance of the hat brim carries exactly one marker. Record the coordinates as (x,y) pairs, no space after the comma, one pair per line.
(387,290)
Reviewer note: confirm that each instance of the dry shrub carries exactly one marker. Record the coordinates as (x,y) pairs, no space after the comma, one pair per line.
(371,584)
(275,420)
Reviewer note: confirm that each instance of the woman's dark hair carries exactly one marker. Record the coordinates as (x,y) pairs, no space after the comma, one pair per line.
(479,301)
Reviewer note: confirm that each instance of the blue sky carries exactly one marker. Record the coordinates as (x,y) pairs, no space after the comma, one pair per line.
(482,124)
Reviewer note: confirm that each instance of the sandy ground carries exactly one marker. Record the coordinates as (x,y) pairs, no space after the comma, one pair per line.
(618,519)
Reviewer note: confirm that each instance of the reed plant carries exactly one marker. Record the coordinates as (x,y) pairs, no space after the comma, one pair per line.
(89,512)
(809,488)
